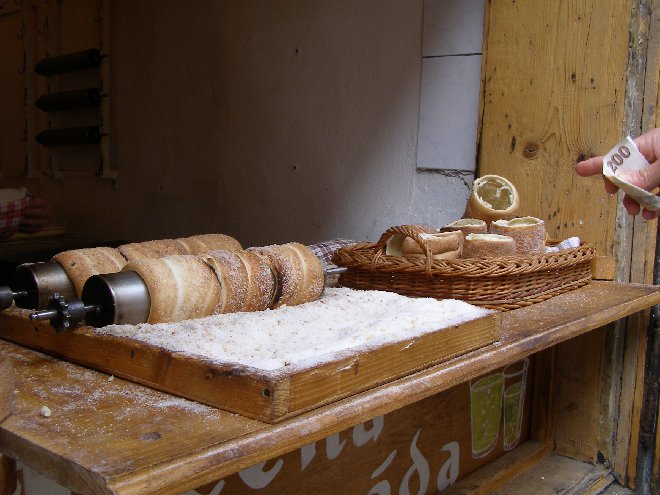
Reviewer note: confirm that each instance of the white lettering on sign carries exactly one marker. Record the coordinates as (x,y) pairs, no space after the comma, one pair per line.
(361,436)
(307,453)
(332,446)
(420,466)
(255,476)
(382,487)
(386,463)
(448,473)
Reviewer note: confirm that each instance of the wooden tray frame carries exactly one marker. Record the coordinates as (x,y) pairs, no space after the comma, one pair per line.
(259,394)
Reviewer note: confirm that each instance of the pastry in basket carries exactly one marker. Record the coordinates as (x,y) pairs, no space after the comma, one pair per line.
(181,287)
(492,198)
(300,276)
(442,245)
(488,246)
(80,264)
(528,232)
(247,281)
(394,244)
(467,226)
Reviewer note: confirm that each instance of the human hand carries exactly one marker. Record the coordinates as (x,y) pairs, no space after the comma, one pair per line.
(36,216)
(647,178)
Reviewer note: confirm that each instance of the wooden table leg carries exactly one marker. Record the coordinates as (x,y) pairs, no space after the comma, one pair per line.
(7,386)
(7,475)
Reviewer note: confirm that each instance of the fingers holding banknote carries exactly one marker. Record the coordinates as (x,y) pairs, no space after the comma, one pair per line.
(594,166)
(633,168)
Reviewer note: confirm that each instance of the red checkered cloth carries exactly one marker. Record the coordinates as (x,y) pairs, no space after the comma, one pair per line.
(324,250)
(11,215)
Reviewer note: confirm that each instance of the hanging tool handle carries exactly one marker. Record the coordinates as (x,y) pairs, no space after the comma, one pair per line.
(69,62)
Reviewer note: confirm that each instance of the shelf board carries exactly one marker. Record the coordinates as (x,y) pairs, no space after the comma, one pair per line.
(549,474)
(99,442)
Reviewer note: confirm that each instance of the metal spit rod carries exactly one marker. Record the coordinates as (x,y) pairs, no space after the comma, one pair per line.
(119,298)
(8,296)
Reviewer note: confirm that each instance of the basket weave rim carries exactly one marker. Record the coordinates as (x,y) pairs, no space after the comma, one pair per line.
(370,256)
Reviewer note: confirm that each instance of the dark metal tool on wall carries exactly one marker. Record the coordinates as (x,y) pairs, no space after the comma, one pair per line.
(69,62)
(70,136)
(66,100)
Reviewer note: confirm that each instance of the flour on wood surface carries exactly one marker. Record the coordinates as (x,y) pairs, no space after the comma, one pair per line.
(343,321)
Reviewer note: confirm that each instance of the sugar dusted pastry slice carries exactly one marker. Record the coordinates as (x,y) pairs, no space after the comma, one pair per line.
(528,232)
(152,249)
(394,245)
(205,243)
(181,287)
(488,246)
(80,264)
(438,243)
(246,280)
(300,276)
(492,198)
(467,226)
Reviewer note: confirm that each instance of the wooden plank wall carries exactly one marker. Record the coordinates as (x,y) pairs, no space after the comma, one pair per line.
(571,88)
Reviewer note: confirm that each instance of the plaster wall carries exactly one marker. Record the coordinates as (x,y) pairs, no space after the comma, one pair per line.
(270,121)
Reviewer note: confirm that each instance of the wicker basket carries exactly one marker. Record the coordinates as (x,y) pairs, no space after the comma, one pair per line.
(498,283)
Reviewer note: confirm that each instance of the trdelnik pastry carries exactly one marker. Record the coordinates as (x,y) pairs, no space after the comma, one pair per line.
(528,232)
(492,198)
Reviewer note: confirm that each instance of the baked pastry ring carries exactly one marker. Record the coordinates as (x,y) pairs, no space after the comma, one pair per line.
(246,280)
(528,232)
(488,246)
(181,287)
(300,275)
(152,249)
(80,264)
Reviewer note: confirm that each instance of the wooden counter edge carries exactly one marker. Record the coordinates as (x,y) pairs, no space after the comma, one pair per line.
(218,461)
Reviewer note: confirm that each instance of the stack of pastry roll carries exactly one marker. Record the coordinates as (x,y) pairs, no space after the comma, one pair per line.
(180,286)
(247,281)
(197,244)
(299,273)
(183,287)
(204,275)
(470,238)
(523,236)
(80,264)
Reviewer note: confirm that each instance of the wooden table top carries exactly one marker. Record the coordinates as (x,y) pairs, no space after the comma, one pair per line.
(107,435)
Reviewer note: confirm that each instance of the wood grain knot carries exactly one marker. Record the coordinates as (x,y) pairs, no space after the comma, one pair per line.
(150,436)
(530,150)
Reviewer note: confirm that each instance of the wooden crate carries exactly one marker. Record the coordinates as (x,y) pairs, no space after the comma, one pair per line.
(269,396)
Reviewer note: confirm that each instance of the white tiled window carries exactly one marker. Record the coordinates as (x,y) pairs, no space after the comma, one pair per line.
(451,74)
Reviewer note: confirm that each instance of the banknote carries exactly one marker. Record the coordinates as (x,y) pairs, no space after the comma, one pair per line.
(626,157)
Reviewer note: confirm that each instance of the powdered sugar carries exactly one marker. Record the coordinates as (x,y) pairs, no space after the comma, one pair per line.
(341,322)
